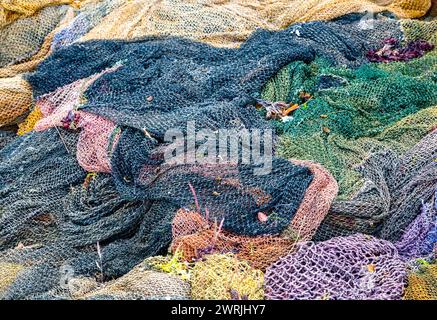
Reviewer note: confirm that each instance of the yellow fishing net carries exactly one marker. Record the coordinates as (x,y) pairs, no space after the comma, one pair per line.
(224,277)
(227,23)
(422,285)
(15,92)
(27,125)
(11,10)
(8,273)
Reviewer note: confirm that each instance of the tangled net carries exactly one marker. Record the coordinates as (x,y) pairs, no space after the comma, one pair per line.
(86,194)
(229,23)
(355,267)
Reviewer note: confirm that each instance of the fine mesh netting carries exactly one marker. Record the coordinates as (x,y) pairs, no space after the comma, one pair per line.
(355,267)
(24,44)
(15,99)
(16,10)
(228,23)
(90,207)
(22,39)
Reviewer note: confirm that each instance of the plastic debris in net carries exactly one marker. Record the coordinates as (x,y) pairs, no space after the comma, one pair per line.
(229,23)
(422,284)
(354,267)
(224,277)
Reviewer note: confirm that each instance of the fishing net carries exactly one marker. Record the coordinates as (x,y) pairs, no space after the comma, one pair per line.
(237,76)
(90,14)
(22,39)
(31,44)
(421,235)
(195,237)
(138,284)
(354,267)
(85,193)
(422,284)
(15,99)
(224,277)
(356,121)
(229,23)
(13,10)
(6,136)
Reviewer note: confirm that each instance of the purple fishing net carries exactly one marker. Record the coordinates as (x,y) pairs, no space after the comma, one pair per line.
(392,51)
(354,267)
(420,237)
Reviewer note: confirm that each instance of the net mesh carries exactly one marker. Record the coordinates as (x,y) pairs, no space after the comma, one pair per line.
(13,10)
(85,195)
(226,23)
(422,285)
(354,267)
(224,277)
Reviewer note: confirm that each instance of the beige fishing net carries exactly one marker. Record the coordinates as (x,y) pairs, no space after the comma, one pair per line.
(227,23)
(15,92)
(15,99)
(137,284)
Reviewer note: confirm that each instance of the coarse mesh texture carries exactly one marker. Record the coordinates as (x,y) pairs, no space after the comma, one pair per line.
(137,284)
(194,237)
(224,277)
(422,284)
(12,10)
(391,199)
(420,236)
(15,99)
(23,38)
(355,115)
(420,30)
(354,267)
(226,23)
(315,204)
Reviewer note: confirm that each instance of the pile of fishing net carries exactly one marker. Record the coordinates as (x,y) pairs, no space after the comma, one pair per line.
(371,127)
(90,206)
